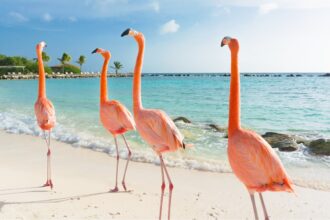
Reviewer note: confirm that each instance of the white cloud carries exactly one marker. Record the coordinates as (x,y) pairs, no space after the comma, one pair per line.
(72,18)
(268,7)
(155,6)
(292,4)
(169,27)
(18,16)
(47,17)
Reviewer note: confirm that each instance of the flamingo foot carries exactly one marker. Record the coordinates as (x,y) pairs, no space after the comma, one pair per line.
(114,190)
(124,185)
(49,183)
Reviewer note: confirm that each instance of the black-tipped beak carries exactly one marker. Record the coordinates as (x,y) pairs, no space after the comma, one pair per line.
(45,45)
(222,44)
(126,32)
(94,51)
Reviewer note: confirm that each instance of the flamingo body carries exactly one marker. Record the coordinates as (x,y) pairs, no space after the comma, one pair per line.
(44,110)
(154,125)
(252,159)
(45,113)
(255,163)
(158,130)
(116,118)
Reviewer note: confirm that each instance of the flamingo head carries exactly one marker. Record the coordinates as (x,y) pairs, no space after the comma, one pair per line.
(131,32)
(231,42)
(104,53)
(41,45)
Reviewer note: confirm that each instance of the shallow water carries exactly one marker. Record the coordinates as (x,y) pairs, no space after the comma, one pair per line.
(296,105)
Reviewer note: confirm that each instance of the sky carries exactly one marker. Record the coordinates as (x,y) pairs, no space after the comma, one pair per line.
(181,36)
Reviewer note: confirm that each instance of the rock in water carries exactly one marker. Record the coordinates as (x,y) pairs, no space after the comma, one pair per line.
(217,128)
(181,118)
(283,142)
(320,147)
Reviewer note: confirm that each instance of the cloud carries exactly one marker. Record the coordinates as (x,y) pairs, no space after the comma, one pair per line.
(268,7)
(292,4)
(155,6)
(47,17)
(169,27)
(72,18)
(18,17)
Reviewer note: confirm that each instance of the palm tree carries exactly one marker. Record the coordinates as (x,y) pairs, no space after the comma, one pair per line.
(117,66)
(81,60)
(64,59)
(45,57)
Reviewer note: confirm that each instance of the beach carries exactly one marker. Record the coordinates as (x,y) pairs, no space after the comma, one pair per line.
(83,178)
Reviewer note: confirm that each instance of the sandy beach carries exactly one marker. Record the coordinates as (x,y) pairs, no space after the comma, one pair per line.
(83,177)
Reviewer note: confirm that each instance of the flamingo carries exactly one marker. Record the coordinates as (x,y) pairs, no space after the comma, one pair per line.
(154,125)
(251,158)
(114,116)
(44,110)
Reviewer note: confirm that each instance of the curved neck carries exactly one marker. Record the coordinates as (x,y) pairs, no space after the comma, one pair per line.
(42,76)
(234,97)
(103,81)
(137,103)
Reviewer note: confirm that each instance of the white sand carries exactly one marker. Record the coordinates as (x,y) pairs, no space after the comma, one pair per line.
(82,179)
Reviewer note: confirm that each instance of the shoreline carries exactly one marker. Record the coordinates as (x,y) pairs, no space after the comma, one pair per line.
(20,76)
(83,177)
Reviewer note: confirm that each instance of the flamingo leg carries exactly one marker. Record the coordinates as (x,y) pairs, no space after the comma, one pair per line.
(263,206)
(162,188)
(171,186)
(49,179)
(254,206)
(116,187)
(128,159)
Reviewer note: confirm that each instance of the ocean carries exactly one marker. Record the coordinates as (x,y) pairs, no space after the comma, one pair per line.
(290,105)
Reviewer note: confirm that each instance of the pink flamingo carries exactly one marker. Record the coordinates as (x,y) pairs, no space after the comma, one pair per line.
(114,116)
(252,159)
(155,126)
(44,110)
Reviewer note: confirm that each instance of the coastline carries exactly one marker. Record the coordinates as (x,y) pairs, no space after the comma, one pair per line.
(83,177)
(20,76)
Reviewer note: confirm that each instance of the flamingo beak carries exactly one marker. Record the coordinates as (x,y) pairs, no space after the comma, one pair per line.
(126,32)
(95,51)
(225,41)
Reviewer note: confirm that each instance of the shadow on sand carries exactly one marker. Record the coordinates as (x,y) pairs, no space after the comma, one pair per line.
(55,200)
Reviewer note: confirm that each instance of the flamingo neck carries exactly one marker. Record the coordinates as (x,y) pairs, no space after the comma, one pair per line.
(234,97)
(42,76)
(103,81)
(137,103)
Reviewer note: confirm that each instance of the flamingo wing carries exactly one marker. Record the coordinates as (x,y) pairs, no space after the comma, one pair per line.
(256,164)
(116,117)
(45,113)
(159,130)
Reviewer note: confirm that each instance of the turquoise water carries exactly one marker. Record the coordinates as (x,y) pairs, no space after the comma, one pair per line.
(295,105)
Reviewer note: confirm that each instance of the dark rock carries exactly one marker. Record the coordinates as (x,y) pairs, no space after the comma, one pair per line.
(320,147)
(283,142)
(217,128)
(181,118)
(300,140)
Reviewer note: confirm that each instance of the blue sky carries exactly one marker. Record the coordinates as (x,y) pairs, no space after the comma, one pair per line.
(181,36)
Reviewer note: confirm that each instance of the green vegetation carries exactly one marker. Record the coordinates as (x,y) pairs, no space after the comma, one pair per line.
(81,60)
(117,66)
(66,68)
(66,58)
(19,64)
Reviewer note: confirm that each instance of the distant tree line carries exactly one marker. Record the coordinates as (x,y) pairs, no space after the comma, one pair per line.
(8,64)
